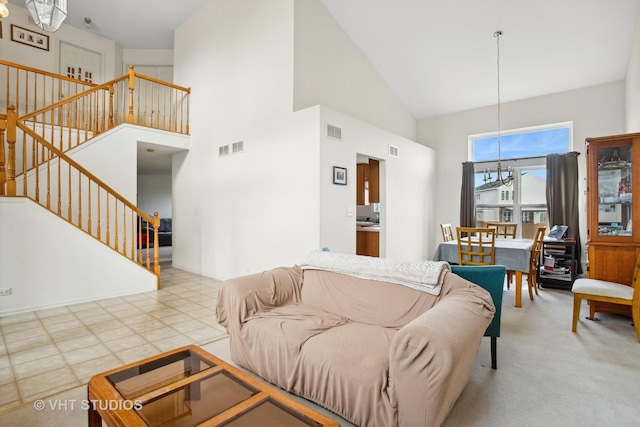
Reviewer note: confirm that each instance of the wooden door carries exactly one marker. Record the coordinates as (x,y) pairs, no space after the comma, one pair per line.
(80,63)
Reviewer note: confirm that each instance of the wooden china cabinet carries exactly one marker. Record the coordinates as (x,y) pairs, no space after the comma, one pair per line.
(613,211)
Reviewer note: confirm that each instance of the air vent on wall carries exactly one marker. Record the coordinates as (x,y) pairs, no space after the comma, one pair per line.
(394,151)
(237,147)
(334,132)
(223,150)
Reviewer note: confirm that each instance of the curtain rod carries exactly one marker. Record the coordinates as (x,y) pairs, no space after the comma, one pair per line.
(515,159)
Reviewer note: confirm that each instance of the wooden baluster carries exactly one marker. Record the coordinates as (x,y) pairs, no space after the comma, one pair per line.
(131,88)
(108,235)
(187,113)
(142,93)
(124,229)
(111,92)
(3,166)
(11,148)
(59,187)
(69,193)
(79,224)
(99,229)
(133,235)
(35,164)
(156,245)
(48,179)
(89,206)
(24,163)
(116,224)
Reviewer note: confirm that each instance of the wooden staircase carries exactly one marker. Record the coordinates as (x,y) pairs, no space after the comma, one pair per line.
(47,116)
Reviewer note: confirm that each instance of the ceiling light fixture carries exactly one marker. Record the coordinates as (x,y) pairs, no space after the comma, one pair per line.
(500,180)
(48,14)
(4,11)
(87,23)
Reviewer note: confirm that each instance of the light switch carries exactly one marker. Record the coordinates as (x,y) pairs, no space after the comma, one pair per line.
(349,211)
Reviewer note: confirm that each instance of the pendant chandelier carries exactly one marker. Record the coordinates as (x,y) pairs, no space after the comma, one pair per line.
(500,180)
(48,14)
(4,10)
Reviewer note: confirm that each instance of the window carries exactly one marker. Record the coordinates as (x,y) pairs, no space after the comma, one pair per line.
(524,150)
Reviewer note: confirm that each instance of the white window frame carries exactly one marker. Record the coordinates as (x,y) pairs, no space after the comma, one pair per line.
(517,165)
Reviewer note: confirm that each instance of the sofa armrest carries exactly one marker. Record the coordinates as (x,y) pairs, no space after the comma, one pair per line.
(431,358)
(241,297)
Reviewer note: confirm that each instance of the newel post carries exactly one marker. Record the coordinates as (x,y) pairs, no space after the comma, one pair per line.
(11,143)
(132,84)
(156,246)
(111,93)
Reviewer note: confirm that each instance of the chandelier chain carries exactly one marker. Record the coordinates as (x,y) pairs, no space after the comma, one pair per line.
(500,179)
(497,35)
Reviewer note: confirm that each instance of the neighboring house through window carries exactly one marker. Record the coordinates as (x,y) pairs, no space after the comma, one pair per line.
(524,150)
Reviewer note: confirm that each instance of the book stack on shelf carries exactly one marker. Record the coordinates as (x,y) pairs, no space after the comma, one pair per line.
(553,268)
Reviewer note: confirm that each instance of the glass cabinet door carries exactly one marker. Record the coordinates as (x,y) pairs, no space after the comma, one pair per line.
(614,191)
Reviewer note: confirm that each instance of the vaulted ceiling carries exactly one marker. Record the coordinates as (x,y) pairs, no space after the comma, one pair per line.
(437,56)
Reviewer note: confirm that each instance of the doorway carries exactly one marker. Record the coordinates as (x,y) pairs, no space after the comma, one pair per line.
(370,206)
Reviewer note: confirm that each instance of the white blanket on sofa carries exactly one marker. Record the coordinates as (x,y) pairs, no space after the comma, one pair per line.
(425,276)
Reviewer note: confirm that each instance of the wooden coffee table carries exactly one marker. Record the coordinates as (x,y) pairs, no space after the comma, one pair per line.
(190,387)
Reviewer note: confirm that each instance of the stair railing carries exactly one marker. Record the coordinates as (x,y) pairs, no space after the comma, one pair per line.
(65,188)
(30,89)
(37,167)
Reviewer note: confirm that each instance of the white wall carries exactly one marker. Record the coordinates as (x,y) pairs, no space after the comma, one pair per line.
(407,189)
(595,111)
(632,92)
(154,195)
(68,271)
(259,209)
(330,70)
(49,60)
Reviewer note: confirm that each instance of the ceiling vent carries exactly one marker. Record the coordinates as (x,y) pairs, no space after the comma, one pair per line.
(394,151)
(223,150)
(237,147)
(334,132)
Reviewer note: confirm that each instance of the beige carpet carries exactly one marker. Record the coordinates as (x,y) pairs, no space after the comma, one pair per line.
(546,376)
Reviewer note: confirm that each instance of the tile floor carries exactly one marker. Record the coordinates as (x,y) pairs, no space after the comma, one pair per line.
(47,351)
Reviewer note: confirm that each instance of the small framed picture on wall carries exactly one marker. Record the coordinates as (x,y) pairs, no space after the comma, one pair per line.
(339,175)
(30,38)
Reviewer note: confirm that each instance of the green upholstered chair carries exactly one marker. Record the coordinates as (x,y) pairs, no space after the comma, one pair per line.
(491,278)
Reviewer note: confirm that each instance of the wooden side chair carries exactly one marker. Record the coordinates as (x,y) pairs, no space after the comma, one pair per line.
(505,230)
(476,246)
(447,232)
(601,290)
(491,278)
(534,261)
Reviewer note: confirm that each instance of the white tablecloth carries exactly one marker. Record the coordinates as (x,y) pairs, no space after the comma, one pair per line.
(514,254)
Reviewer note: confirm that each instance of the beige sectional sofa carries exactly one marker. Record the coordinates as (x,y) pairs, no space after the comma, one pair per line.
(374,352)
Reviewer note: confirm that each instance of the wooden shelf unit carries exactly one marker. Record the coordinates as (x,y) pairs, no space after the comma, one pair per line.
(563,253)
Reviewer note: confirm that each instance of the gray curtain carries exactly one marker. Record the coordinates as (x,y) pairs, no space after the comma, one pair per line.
(562,195)
(467,196)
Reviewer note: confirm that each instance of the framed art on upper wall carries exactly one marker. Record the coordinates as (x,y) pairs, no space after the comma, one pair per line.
(339,175)
(30,38)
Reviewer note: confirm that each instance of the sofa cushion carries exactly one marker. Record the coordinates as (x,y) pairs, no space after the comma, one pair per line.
(362,300)
(347,369)
(274,338)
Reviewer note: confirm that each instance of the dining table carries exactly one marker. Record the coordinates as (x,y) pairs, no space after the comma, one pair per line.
(514,254)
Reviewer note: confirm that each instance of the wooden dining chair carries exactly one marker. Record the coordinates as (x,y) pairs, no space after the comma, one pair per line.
(476,246)
(447,232)
(601,290)
(505,230)
(534,262)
